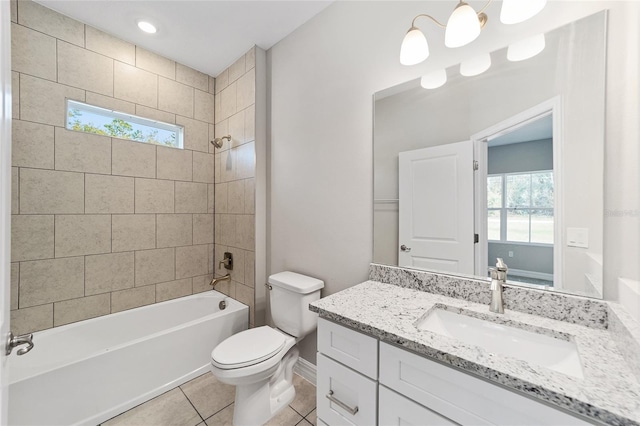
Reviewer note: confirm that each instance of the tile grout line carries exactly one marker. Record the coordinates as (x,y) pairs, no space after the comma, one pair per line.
(191,403)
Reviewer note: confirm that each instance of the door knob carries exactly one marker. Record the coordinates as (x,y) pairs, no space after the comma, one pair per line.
(405,248)
(13,341)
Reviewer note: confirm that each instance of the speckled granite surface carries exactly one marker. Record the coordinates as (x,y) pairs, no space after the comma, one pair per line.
(609,391)
(574,309)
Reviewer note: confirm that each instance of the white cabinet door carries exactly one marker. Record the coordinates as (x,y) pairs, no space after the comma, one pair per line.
(344,397)
(396,410)
(436,208)
(351,348)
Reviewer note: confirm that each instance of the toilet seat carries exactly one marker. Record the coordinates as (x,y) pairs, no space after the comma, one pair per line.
(248,348)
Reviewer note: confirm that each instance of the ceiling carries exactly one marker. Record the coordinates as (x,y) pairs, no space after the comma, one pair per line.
(539,129)
(208,35)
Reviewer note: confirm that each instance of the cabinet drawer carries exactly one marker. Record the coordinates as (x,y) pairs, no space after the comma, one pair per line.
(350,389)
(461,397)
(396,410)
(353,349)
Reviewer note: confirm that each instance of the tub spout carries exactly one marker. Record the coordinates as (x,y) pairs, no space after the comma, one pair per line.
(217,280)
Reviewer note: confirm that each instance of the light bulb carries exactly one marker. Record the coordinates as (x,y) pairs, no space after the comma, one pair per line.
(476,65)
(516,11)
(147,27)
(414,47)
(434,79)
(463,26)
(525,49)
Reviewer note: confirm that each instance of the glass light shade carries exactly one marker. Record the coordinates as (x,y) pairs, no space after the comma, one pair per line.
(476,65)
(147,27)
(463,26)
(516,11)
(414,47)
(434,79)
(525,49)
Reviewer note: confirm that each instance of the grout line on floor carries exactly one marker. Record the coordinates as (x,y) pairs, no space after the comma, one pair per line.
(194,407)
(222,409)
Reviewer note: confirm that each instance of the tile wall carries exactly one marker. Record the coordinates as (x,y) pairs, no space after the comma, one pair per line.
(235,177)
(100,224)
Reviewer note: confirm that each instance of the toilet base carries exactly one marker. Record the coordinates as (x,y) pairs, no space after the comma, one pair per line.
(257,403)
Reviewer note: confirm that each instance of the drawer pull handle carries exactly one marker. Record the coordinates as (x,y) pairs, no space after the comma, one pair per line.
(341,404)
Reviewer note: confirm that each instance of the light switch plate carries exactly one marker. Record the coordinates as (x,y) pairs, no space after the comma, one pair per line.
(578,237)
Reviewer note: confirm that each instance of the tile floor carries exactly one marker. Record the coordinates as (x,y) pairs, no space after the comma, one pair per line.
(204,401)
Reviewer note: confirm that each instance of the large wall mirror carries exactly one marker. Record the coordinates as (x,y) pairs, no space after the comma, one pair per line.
(507,163)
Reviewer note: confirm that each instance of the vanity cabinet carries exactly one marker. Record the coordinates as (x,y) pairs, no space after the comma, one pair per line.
(361,381)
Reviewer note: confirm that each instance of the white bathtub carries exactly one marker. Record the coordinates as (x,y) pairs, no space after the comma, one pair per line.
(87,372)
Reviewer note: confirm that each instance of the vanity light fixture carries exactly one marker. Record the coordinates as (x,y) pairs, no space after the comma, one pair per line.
(434,79)
(463,27)
(476,65)
(525,49)
(147,27)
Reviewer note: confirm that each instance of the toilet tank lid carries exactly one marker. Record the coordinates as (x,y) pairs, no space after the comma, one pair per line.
(297,283)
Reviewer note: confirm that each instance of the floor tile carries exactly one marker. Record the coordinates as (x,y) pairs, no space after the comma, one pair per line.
(303,422)
(169,409)
(305,400)
(208,395)
(222,418)
(312,417)
(286,417)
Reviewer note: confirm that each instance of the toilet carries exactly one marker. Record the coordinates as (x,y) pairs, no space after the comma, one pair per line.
(259,361)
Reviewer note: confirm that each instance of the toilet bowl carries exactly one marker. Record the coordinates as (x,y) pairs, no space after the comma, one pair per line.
(260,361)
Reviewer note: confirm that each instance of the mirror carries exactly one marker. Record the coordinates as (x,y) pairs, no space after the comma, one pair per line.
(507,163)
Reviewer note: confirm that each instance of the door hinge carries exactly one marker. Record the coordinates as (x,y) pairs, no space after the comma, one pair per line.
(476,238)
(475,165)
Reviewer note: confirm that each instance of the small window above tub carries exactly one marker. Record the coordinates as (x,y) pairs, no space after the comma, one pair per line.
(86,118)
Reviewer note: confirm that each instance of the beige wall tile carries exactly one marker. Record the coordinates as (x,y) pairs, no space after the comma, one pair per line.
(228,102)
(155,266)
(192,77)
(204,106)
(15,191)
(14,10)
(155,63)
(245,231)
(135,85)
(221,194)
(48,191)
(110,103)
(155,114)
(250,59)
(174,164)
(133,158)
(210,198)
(226,287)
(212,85)
(217,229)
(175,97)
(110,46)
(246,161)
(108,194)
(46,281)
(31,237)
(133,232)
(15,283)
(237,274)
(244,294)
(105,273)
(236,197)
(201,283)
(236,129)
(217,115)
(217,174)
(82,152)
(50,109)
(174,230)
(211,257)
(202,228)
(132,298)
(247,89)
(222,81)
(191,261)
(173,289)
(191,197)
(228,166)
(202,167)
(84,308)
(33,53)
(222,129)
(237,69)
(228,232)
(82,68)
(82,234)
(249,196)
(196,134)
(15,98)
(250,269)
(219,251)
(154,196)
(30,320)
(250,124)
(50,22)
(32,145)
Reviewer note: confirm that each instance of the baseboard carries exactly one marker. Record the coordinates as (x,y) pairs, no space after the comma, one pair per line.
(305,369)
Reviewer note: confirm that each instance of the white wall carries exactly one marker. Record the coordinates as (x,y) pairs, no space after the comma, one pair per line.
(323,77)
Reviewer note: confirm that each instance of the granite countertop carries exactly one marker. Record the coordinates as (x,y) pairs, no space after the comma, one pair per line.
(609,391)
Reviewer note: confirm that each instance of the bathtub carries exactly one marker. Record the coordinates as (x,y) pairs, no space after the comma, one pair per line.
(87,372)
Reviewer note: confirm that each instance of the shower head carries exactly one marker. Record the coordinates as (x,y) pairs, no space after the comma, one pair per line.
(217,142)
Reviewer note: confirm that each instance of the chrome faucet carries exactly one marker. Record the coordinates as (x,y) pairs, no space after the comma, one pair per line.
(498,279)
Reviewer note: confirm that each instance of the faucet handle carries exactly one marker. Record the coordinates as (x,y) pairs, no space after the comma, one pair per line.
(500,265)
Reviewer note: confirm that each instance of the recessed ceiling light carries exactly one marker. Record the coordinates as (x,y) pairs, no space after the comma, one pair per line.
(147,27)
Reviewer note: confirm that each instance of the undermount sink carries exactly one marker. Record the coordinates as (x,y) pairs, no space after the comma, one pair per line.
(547,351)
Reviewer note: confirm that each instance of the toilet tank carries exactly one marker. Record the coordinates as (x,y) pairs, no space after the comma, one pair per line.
(290,296)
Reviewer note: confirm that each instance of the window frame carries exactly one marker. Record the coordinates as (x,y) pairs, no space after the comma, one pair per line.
(130,118)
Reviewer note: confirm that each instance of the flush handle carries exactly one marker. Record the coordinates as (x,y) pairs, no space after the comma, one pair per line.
(405,248)
(350,410)
(14,341)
